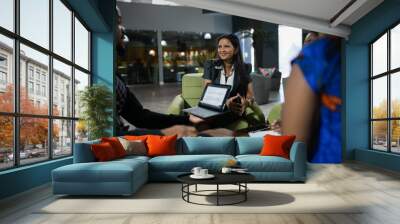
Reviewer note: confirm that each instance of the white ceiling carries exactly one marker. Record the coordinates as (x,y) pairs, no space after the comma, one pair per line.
(326,16)
(321,9)
(316,15)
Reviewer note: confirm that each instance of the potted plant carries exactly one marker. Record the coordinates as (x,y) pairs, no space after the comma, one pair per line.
(96,104)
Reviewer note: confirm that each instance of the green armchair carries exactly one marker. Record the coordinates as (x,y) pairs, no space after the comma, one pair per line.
(192,88)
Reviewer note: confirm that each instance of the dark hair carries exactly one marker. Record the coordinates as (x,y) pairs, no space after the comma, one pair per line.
(237,61)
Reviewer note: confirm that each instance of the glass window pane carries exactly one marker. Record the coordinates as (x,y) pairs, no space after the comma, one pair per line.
(183,52)
(140,62)
(379,135)
(6,142)
(81,131)
(395,95)
(395,136)
(81,81)
(62,89)
(81,45)
(62,141)
(395,47)
(7,14)
(33,140)
(35,21)
(379,98)
(379,55)
(6,74)
(62,29)
(34,97)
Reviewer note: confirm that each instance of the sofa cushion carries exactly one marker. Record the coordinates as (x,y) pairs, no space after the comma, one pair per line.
(207,145)
(185,163)
(103,152)
(247,145)
(136,137)
(161,145)
(277,145)
(136,147)
(116,145)
(257,163)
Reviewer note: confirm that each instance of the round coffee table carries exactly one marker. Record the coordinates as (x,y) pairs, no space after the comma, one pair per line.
(238,179)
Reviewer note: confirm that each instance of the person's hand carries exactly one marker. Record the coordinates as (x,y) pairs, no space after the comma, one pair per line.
(237,104)
(195,120)
(217,132)
(249,102)
(276,126)
(180,131)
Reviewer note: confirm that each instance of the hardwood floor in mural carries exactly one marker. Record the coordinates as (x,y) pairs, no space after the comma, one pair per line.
(377,189)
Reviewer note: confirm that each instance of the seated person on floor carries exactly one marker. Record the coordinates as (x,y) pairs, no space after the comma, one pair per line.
(146,121)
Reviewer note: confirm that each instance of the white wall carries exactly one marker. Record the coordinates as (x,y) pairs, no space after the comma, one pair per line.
(290,43)
(169,18)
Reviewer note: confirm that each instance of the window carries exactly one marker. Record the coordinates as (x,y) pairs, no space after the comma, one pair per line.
(37,74)
(7,72)
(81,45)
(62,29)
(43,90)
(3,72)
(81,81)
(30,87)
(30,72)
(3,61)
(54,125)
(63,74)
(38,89)
(43,77)
(385,96)
(3,78)
(7,14)
(34,21)
(62,129)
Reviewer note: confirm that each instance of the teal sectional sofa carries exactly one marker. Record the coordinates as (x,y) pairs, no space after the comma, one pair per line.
(125,176)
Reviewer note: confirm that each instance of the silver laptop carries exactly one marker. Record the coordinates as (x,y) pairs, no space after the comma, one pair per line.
(212,102)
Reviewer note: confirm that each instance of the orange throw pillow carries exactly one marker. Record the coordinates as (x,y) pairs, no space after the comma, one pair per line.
(161,145)
(116,145)
(103,152)
(277,145)
(136,137)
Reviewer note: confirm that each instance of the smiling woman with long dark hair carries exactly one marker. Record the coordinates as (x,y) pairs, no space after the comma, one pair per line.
(229,69)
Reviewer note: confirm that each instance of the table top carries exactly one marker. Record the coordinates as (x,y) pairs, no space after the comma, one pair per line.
(220,178)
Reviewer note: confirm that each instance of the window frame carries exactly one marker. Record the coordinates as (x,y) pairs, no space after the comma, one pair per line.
(16,114)
(388,74)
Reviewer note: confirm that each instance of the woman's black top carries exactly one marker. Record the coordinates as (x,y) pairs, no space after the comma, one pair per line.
(212,71)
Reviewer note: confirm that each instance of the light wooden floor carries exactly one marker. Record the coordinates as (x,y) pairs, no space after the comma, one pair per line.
(377,188)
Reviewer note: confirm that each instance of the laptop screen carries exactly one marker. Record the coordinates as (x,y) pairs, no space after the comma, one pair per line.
(215,95)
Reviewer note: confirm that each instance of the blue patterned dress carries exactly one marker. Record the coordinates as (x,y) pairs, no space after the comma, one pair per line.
(320,64)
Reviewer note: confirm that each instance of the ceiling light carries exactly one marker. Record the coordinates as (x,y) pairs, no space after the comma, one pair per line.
(207,36)
(125,39)
(152,52)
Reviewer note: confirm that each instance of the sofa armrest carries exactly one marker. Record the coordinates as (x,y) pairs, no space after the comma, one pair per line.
(298,155)
(176,106)
(83,152)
